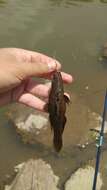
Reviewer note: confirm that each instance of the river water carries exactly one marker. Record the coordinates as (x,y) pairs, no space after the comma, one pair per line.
(73,32)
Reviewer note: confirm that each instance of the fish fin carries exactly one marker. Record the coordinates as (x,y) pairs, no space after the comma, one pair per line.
(67,99)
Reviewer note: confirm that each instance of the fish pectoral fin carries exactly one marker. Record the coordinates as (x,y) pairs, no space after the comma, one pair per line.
(67,99)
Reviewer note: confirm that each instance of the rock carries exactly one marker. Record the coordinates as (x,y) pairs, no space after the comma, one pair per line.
(37,122)
(35,175)
(31,127)
(18,167)
(30,124)
(82,179)
(105,128)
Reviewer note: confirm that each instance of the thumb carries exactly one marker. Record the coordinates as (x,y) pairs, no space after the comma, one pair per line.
(40,68)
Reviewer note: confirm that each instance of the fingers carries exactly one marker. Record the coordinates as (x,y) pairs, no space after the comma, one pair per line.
(67,78)
(31,56)
(50,63)
(39,57)
(26,99)
(32,101)
(33,63)
(38,69)
(41,90)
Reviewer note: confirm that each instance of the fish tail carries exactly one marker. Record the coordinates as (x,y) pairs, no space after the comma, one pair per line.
(57,141)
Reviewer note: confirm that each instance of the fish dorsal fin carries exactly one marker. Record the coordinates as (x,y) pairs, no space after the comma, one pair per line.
(67,98)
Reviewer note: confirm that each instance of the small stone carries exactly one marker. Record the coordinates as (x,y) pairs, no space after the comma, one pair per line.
(18,167)
(97,138)
(86,87)
(100,59)
(83,146)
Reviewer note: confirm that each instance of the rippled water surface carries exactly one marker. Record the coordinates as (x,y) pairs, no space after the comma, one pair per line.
(73,32)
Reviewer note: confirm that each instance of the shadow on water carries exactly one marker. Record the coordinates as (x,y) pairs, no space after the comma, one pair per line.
(68,2)
(103,1)
(2,2)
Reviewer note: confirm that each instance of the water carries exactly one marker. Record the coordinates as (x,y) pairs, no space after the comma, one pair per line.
(73,32)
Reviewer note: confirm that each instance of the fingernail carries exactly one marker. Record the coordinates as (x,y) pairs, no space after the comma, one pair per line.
(58,65)
(52,66)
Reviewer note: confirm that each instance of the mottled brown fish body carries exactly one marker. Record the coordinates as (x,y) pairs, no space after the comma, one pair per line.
(57,109)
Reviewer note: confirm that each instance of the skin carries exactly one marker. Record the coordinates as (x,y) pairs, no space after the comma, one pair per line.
(17,67)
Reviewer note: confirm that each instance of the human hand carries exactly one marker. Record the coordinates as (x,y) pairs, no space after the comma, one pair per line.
(17,67)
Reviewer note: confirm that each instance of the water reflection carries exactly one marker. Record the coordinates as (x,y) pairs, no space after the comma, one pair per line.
(2,2)
(103,1)
(69,2)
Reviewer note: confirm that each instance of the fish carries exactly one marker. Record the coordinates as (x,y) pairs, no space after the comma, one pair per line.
(57,108)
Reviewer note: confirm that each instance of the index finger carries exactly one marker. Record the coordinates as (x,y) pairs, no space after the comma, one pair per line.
(33,57)
(67,78)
